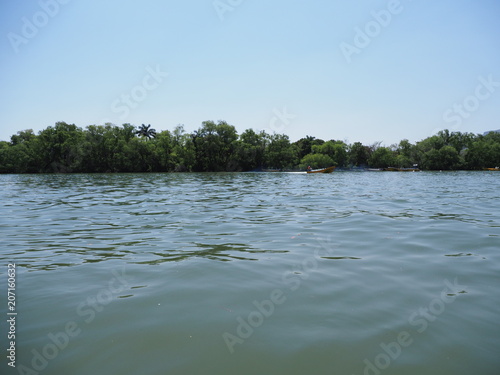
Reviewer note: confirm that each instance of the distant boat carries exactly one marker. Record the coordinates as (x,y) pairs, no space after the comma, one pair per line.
(324,170)
(492,169)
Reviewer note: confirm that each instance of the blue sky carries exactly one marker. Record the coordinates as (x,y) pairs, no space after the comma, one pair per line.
(363,71)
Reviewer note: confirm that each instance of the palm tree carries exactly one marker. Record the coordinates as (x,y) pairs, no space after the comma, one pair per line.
(145,131)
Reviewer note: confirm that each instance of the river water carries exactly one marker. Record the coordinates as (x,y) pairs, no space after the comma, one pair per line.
(253,273)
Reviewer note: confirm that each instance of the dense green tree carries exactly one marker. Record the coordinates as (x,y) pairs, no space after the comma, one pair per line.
(403,161)
(405,148)
(432,160)
(105,148)
(340,156)
(66,148)
(445,158)
(215,145)
(162,152)
(183,153)
(461,141)
(484,152)
(280,153)
(358,154)
(382,157)
(476,155)
(23,136)
(450,159)
(60,148)
(433,142)
(305,145)
(99,150)
(251,147)
(6,156)
(316,161)
(407,154)
(21,155)
(336,150)
(137,156)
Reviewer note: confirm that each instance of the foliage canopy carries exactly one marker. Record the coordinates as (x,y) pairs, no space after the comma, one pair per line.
(216,146)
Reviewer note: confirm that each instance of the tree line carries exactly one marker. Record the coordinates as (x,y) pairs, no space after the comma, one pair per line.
(66,148)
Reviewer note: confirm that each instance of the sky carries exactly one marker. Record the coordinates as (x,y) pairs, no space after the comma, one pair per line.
(358,71)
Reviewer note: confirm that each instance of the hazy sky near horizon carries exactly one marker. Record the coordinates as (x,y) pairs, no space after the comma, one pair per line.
(363,71)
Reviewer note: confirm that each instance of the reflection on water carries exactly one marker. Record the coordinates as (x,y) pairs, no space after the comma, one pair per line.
(355,256)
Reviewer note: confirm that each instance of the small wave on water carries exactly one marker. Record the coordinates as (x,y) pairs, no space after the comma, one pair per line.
(197,271)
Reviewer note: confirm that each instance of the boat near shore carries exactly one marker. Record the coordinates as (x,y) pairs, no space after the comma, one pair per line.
(492,169)
(324,170)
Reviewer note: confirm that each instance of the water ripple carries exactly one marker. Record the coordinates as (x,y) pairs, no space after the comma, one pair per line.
(94,218)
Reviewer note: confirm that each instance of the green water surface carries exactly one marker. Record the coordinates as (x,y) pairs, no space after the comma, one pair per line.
(253,273)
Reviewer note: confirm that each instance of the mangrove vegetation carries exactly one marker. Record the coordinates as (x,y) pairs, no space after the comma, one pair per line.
(217,146)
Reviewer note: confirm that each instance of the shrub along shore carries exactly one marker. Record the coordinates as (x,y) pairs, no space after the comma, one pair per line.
(66,148)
